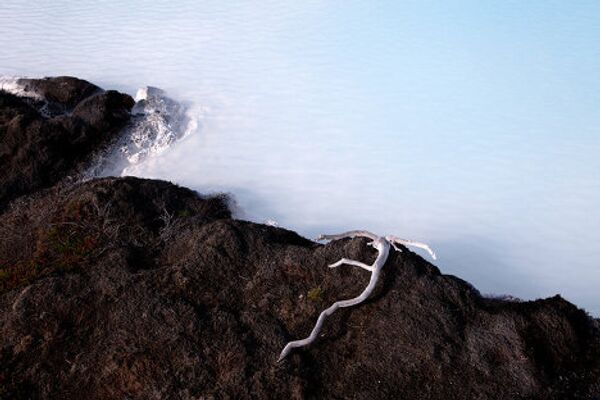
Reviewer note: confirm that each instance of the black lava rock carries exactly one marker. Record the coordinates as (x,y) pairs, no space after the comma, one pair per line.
(37,151)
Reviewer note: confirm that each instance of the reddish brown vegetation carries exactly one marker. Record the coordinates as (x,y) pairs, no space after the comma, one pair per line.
(37,151)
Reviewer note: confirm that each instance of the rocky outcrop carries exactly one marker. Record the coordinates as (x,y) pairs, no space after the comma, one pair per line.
(62,93)
(129,288)
(53,133)
(140,289)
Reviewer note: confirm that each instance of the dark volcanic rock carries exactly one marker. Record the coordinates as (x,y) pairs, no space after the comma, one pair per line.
(129,288)
(37,150)
(64,91)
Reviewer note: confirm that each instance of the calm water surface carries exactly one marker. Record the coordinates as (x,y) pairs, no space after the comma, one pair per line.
(472,127)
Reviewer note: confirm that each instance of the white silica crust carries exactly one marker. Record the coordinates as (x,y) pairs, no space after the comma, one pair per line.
(11,84)
(142,93)
(382,245)
(157,121)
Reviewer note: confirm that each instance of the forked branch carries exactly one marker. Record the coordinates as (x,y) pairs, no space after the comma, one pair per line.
(382,245)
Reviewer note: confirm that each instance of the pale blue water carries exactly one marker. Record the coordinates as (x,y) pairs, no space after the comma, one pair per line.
(474,126)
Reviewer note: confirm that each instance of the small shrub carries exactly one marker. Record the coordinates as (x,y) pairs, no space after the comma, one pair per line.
(184,213)
(315,294)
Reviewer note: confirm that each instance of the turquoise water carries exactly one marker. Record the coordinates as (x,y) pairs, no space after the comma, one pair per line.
(473,126)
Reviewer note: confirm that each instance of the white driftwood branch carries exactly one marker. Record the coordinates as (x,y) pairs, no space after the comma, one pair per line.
(349,234)
(405,242)
(382,245)
(351,262)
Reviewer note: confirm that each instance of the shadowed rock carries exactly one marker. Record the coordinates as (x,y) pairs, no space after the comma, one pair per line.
(63,91)
(37,150)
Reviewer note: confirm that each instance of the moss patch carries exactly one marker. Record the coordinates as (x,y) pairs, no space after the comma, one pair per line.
(315,294)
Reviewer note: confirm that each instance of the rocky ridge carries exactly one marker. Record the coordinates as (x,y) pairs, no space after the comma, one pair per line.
(53,133)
